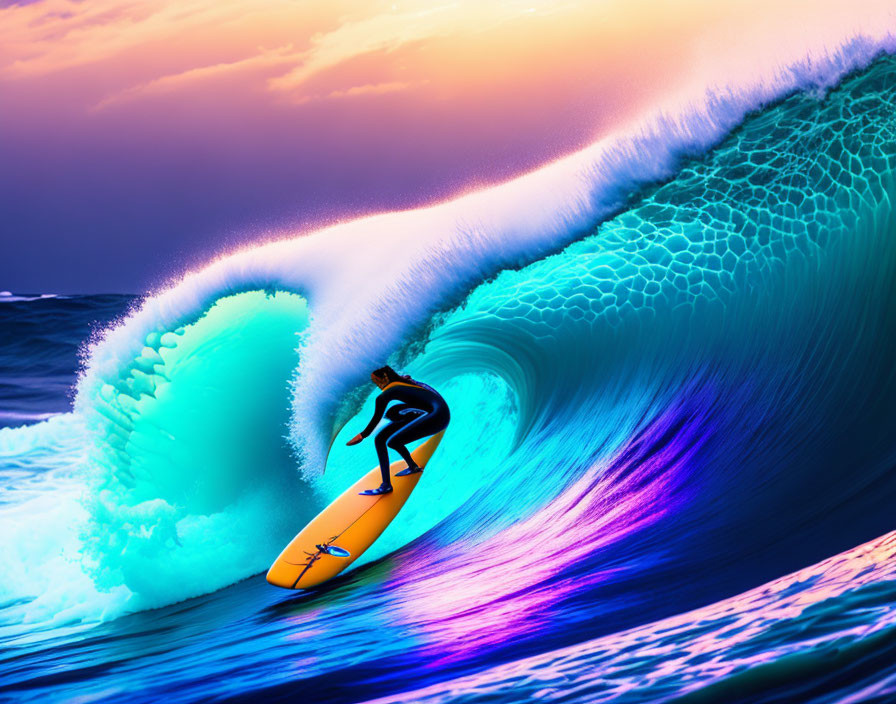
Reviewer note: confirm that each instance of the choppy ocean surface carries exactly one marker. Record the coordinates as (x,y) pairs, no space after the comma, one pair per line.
(670,473)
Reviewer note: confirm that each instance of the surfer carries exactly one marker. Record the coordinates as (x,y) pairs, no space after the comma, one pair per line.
(421,412)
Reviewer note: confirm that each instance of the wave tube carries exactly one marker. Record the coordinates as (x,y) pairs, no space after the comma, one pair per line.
(705,387)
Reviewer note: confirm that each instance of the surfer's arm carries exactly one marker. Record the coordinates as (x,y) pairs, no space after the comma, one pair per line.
(379,409)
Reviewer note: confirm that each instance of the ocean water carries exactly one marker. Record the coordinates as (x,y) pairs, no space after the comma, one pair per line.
(670,473)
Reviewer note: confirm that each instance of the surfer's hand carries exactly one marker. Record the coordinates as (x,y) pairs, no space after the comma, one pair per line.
(355,440)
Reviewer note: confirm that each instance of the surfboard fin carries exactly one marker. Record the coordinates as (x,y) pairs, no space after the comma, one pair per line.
(334,550)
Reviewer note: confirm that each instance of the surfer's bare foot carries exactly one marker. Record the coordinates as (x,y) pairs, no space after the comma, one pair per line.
(410,470)
(381,489)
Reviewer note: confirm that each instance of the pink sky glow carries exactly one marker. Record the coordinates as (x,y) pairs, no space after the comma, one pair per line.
(144,137)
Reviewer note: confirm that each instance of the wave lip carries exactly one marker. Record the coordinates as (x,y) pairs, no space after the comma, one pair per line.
(392,297)
(365,308)
(194,486)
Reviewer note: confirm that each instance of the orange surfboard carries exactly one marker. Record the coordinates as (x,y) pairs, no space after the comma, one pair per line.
(347,527)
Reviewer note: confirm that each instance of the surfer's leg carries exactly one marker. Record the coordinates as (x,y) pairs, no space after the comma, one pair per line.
(382,452)
(419,428)
(381,443)
(400,448)
(406,456)
(383,455)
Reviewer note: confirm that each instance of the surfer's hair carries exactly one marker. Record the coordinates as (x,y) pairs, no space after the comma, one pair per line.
(388,373)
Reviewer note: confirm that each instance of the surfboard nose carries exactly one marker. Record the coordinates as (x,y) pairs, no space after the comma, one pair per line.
(279,576)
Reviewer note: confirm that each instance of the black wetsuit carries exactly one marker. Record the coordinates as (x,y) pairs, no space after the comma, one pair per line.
(421,412)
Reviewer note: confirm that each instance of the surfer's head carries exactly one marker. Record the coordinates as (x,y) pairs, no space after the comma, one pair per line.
(384,376)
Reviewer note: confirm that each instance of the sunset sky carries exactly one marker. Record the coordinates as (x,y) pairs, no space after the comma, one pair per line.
(139,139)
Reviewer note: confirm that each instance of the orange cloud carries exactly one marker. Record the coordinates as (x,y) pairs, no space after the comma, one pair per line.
(373,88)
(42,38)
(362,90)
(55,35)
(143,48)
(175,81)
